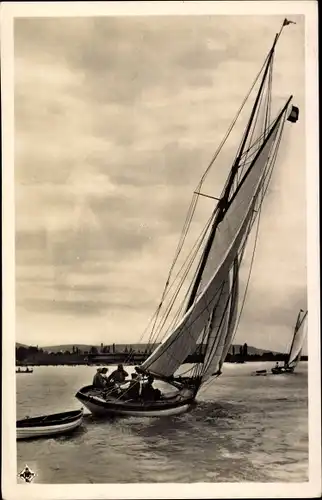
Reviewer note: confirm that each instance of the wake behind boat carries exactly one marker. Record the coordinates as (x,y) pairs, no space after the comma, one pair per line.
(49,425)
(207,316)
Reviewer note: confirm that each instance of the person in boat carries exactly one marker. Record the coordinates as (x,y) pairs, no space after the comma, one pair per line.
(118,376)
(149,393)
(99,380)
(133,391)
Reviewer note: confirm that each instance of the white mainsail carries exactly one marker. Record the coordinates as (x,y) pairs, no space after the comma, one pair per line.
(298,340)
(230,237)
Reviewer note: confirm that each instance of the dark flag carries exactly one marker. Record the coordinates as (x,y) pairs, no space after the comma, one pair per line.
(287,22)
(294,114)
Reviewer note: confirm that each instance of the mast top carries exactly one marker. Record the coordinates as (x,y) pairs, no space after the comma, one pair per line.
(286,22)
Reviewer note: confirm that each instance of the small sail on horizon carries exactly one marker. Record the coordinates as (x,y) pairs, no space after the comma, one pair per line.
(299,336)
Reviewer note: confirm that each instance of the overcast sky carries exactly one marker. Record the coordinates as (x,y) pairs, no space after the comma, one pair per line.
(116,120)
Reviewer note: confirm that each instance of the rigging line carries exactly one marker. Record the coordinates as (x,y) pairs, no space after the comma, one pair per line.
(269,56)
(246,239)
(204,334)
(192,257)
(215,344)
(257,230)
(205,384)
(225,202)
(201,237)
(269,95)
(255,143)
(177,275)
(191,369)
(234,170)
(177,252)
(169,308)
(170,354)
(211,314)
(223,329)
(273,128)
(246,235)
(256,117)
(182,239)
(221,340)
(257,100)
(188,292)
(232,125)
(189,327)
(185,230)
(176,316)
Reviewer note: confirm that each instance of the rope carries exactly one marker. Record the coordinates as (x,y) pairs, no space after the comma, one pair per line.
(264,190)
(257,228)
(192,255)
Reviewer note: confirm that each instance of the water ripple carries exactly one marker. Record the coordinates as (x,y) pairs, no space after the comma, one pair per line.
(242,429)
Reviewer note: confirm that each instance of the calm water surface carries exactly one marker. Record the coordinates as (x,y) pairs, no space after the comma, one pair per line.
(244,428)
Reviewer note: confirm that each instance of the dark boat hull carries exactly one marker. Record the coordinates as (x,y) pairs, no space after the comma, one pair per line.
(282,370)
(97,405)
(50,425)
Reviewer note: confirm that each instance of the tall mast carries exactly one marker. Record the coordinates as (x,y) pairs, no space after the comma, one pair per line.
(223,202)
(235,166)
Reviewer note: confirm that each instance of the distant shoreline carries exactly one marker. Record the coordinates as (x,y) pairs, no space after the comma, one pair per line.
(111,363)
(34,356)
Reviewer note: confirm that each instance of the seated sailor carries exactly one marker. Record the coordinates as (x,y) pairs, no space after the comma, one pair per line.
(114,381)
(99,380)
(119,375)
(133,391)
(149,393)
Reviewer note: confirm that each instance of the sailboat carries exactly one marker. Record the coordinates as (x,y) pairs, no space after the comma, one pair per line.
(207,317)
(294,355)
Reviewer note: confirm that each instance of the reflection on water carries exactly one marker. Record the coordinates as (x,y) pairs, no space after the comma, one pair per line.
(242,429)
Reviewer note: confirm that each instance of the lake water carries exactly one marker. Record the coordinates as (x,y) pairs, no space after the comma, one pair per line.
(243,429)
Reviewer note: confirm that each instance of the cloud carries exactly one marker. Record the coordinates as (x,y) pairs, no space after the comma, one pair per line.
(115,121)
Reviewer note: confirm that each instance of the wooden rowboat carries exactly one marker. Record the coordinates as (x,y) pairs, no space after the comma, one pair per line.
(49,425)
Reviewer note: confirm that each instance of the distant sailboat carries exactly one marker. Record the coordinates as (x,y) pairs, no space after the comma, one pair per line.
(208,314)
(294,355)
